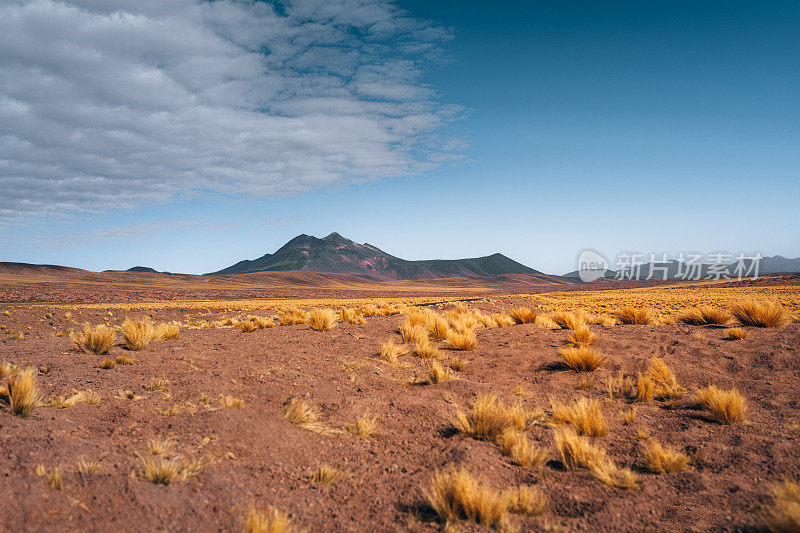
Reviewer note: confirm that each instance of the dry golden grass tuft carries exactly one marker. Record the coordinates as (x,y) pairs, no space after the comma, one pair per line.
(390,352)
(322,319)
(724,406)
(583,414)
(291,316)
(663,459)
(582,336)
(426,350)
(603,320)
(632,315)
(577,452)
(581,358)
(157,384)
(629,416)
(159,447)
(230,402)
(502,320)
(453,493)
(86,467)
(23,393)
(523,315)
(526,500)
(783,516)
(437,373)
(463,340)
(94,339)
(489,417)
(413,333)
(124,360)
(325,475)
(167,331)
(665,384)
(736,334)
(303,415)
(458,364)
(88,396)
(351,316)
(645,388)
(705,315)
(364,427)
(519,448)
(254,323)
(438,328)
(55,480)
(761,313)
(107,363)
(566,320)
(137,334)
(159,470)
(269,521)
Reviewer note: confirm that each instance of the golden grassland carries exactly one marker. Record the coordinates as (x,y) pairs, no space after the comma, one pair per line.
(666,299)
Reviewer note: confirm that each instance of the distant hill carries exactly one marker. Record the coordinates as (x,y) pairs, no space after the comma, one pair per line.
(675,269)
(336,254)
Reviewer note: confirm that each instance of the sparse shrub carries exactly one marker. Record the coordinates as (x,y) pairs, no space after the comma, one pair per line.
(724,406)
(566,320)
(631,315)
(325,475)
(585,415)
(705,315)
(437,373)
(137,334)
(453,493)
(391,351)
(88,396)
(94,339)
(663,459)
(55,480)
(736,334)
(107,363)
(364,427)
(762,314)
(270,521)
(581,358)
(523,315)
(783,516)
(629,416)
(247,326)
(322,319)
(438,328)
(157,384)
(603,320)
(23,393)
(466,340)
(125,360)
(582,336)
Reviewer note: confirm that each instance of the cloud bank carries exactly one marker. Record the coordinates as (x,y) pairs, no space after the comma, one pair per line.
(116,103)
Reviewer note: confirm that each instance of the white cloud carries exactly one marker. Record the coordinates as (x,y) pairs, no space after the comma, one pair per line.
(115,103)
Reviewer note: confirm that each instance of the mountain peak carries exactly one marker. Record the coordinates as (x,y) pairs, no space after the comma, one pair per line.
(334,237)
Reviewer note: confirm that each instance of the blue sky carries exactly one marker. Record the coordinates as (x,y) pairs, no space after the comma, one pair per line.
(535,129)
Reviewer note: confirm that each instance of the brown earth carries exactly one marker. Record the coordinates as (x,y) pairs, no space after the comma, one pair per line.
(255,458)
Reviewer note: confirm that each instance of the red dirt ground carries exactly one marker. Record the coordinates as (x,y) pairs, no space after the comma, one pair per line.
(258,459)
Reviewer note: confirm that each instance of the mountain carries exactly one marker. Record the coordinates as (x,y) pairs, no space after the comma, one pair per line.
(337,254)
(675,269)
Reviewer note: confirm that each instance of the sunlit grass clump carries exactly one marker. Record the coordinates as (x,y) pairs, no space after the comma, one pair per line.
(724,406)
(581,358)
(632,315)
(322,319)
(95,339)
(761,313)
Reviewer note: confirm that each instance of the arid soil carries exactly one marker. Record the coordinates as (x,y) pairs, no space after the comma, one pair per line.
(253,457)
